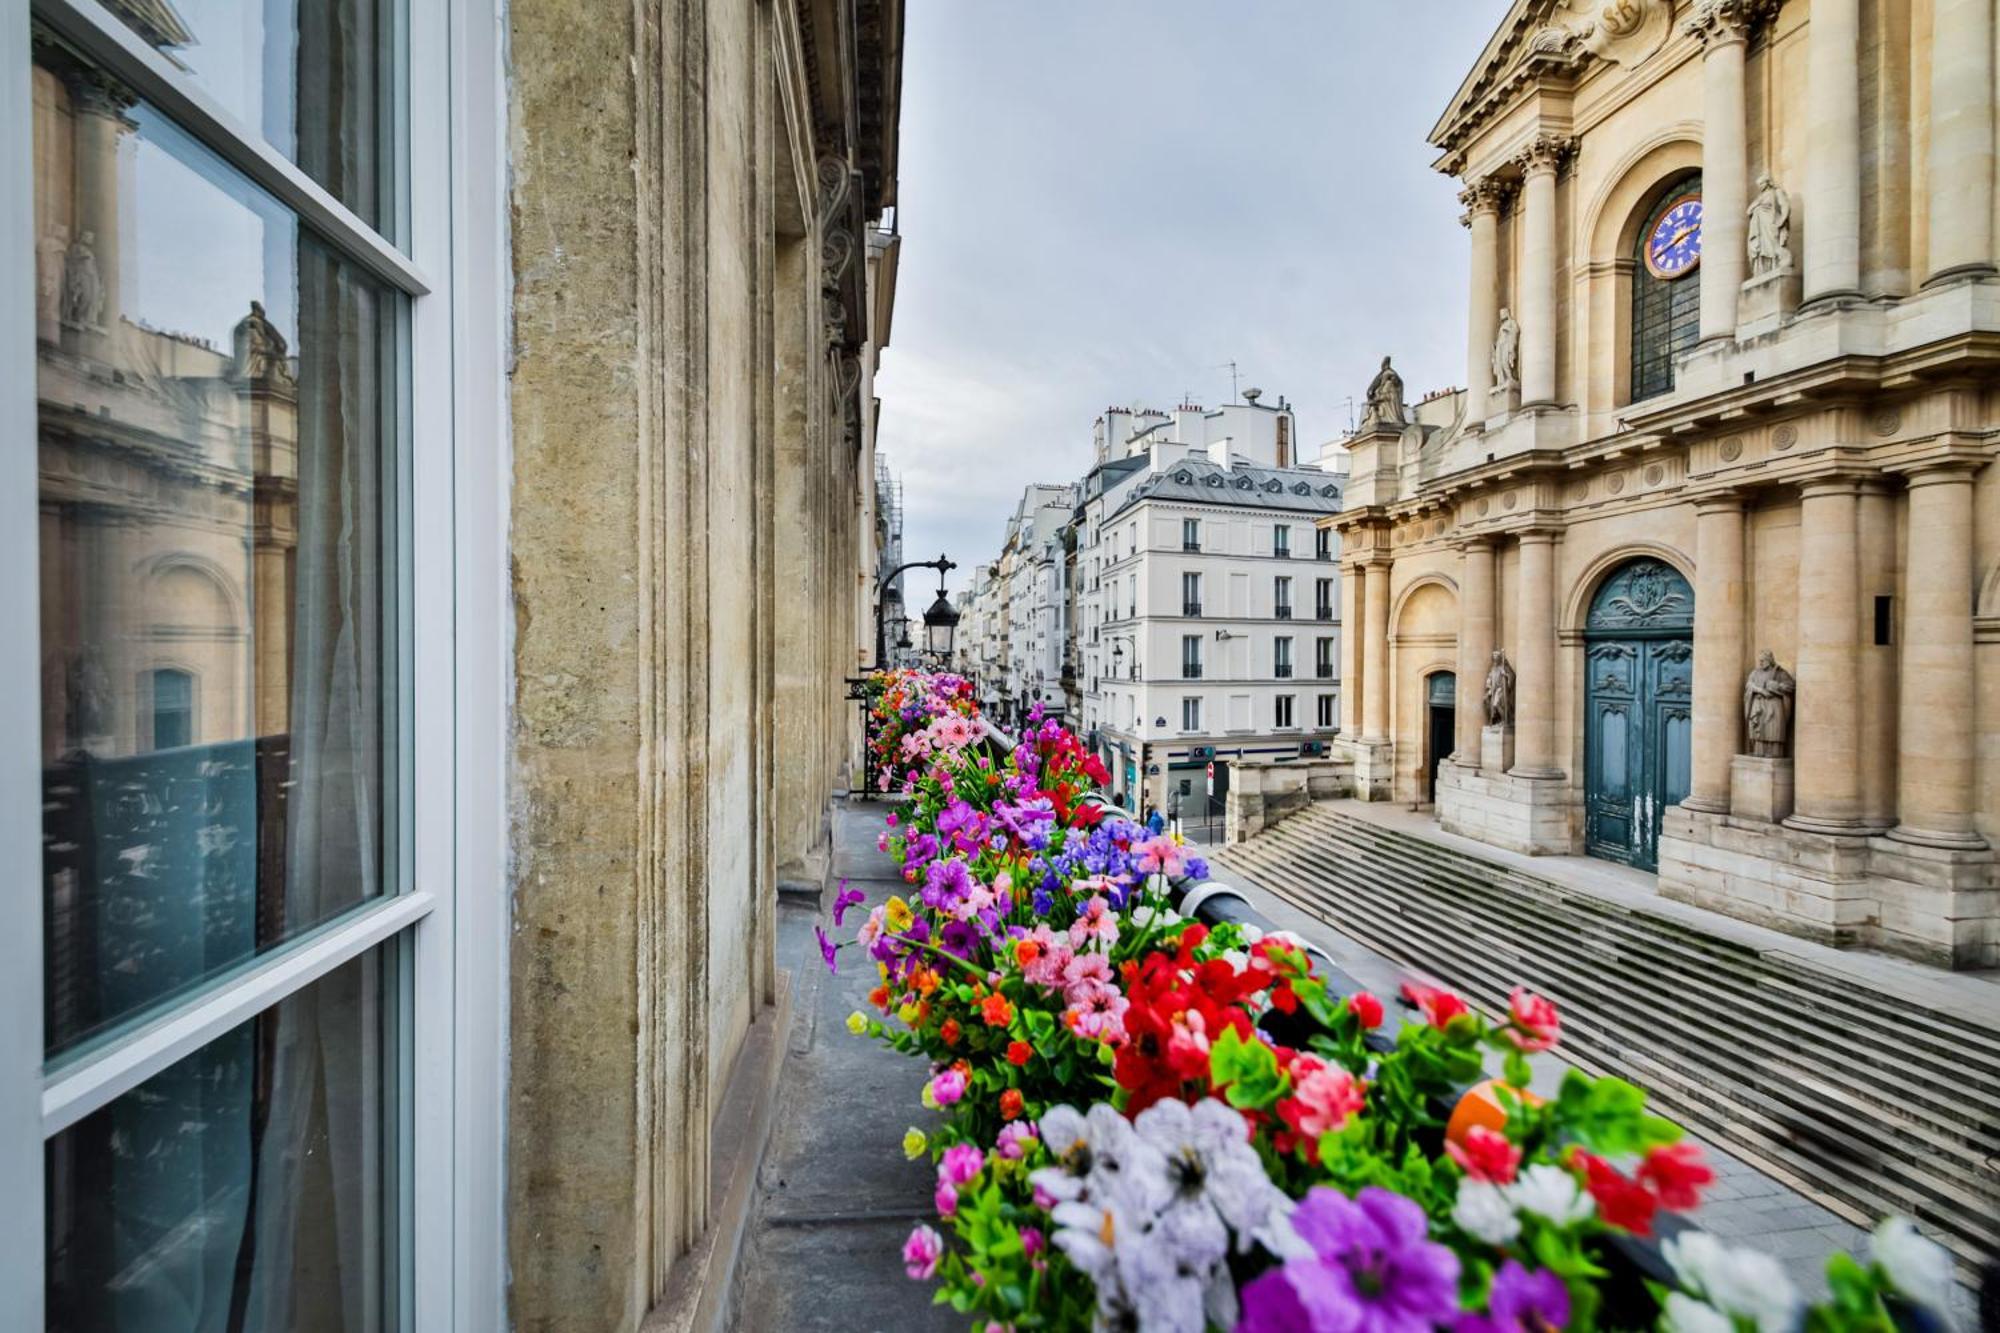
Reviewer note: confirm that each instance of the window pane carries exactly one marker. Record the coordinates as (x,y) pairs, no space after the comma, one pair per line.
(253,1185)
(218,398)
(320,80)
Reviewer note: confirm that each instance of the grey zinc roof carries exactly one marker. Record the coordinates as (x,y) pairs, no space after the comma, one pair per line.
(1198,481)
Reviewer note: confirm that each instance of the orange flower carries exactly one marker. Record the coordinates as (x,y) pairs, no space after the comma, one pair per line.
(1026,952)
(879,997)
(926,981)
(1010,1104)
(949,1032)
(1019,1052)
(996,1011)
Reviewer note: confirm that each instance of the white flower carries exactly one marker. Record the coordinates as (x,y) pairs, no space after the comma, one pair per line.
(1207,1162)
(1551,1192)
(1685,1314)
(1918,1268)
(1483,1212)
(1146,914)
(1739,1282)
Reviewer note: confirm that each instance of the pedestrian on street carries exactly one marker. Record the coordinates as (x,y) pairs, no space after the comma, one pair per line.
(1155,825)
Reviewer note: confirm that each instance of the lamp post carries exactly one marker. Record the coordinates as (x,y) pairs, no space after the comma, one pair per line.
(940,621)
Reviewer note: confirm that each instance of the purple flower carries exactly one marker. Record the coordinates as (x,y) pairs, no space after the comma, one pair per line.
(845,899)
(1373,1270)
(959,939)
(827,950)
(1520,1302)
(920,848)
(946,883)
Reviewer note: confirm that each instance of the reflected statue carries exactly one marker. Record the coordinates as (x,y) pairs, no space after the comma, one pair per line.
(51,257)
(260,348)
(1500,692)
(1507,352)
(1385,397)
(83,286)
(1767,708)
(1770,229)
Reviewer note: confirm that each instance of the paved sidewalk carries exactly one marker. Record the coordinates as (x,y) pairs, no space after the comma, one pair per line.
(835,1199)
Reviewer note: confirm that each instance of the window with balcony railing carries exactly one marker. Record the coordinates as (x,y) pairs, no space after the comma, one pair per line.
(1281,542)
(1190,608)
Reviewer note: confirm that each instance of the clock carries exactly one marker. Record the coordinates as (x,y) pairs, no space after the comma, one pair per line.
(1674,248)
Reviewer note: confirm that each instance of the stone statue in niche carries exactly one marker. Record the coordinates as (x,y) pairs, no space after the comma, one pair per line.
(1767,708)
(51,257)
(1507,352)
(1770,229)
(83,287)
(1385,397)
(1499,691)
(260,349)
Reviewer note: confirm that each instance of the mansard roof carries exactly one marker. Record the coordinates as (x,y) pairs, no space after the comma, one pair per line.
(1197,481)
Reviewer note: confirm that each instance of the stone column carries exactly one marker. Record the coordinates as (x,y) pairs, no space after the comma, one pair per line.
(1353,684)
(101,126)
(1833,150)
(1935,791)
(1723,28)
(1718,649)
(1482,201)
(1878,556)
(1961,138)
(1826,730)
(1537,279)
(1375,671)
(1535,665)
(1475,644)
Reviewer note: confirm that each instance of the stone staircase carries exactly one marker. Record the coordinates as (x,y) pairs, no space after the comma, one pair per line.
(1847,1093)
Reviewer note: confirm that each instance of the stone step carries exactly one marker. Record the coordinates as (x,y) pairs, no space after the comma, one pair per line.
(1873,1150)
(1972,1102)
(1855,1178)
(1948,1041)
(1957,1039)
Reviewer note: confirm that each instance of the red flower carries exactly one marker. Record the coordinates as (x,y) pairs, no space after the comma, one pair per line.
(949,1032)
(1486,1156)
(997,1012)
(1535,1024)
(1677,1174)
(1177,1008)
(1439,1006)
(1621,1201)
(1010,1104)
(1019,1052)
(1367,1010)
(1284,999)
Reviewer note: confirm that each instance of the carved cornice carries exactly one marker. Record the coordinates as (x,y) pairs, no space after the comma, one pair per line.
(1717,22)
(1545,152)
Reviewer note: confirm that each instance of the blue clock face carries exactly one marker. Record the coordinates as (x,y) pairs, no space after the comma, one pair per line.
(1674,248)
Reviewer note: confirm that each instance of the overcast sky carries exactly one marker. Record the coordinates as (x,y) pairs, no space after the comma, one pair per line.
(1102,201)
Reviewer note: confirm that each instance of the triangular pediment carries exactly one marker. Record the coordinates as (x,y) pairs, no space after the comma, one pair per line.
(1503,51)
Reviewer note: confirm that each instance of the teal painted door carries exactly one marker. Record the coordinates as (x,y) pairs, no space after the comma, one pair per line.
(1638,709)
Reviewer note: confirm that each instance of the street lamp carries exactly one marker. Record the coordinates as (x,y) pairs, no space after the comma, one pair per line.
(941,618)
(940,624)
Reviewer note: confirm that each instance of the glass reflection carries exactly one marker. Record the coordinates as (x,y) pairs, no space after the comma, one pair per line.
(216,405)
(318,79)
(250,1187)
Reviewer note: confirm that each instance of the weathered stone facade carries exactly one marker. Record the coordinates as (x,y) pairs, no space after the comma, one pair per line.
(1814,460)
(694,187)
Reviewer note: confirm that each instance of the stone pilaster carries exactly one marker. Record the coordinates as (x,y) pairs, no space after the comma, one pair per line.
(1482,201)
(1935,791)
(1353,616)
(1723,27)
(1375,654)
(1475,644)
(1961,139)
(1827,724)
(1536,281)
(1719,598)
(1833,151)
(1535,660)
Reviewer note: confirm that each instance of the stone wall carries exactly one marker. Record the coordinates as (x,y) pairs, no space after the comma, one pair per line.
(1263,792)
(689,540)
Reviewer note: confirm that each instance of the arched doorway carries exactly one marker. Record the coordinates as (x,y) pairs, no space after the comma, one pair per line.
(1638,709)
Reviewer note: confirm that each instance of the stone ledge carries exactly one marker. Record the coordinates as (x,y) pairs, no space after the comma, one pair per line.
(1527,815)
(701,1288)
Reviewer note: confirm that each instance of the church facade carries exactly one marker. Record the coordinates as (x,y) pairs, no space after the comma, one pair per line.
(1702,573)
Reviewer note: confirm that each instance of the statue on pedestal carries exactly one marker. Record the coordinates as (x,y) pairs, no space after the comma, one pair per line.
(83,287)
(1385,397)
(1507,352)
(260,349)
(1770,229)
(1499,692)
(1767,708)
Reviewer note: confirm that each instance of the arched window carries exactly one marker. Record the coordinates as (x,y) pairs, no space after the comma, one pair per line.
(1666,294)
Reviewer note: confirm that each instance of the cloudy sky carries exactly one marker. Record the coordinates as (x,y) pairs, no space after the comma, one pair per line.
(1103,201)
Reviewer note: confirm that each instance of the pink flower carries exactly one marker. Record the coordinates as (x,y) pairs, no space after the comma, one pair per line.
(946,1199)
(1031,1240)
(1096,922)
(1535,1024)
(1084,971)
(1015,1136)
(921,1253)
(948,1087)
(1160,855)
(1439,1006)
(961,1163)
(1486,1156)
(871,929)
(1097,1012)
(1323,1096)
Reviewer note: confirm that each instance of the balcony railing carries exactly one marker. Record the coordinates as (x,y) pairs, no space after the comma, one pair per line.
(1190,608)
(1283,671)
(1284,613)
(1323,613)
(1190,671)
(1282,552)
(1324,671)
(1187,545)
(1323,555)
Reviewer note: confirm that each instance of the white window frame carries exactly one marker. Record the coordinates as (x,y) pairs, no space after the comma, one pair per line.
(446,931)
